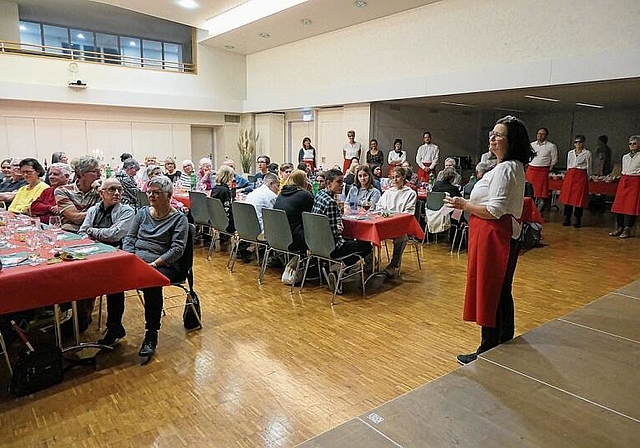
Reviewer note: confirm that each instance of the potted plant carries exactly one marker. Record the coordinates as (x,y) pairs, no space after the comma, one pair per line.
(247,148)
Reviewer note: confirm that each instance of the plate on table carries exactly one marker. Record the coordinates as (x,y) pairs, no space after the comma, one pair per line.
(84,250)
(12,260)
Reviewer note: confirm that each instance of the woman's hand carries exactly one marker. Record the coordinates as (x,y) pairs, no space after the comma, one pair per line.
(455,202)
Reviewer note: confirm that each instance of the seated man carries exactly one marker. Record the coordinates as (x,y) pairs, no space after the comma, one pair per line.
(325,204)
(399,198)
(108,222)
(45,206)
(73,201)
(9,188)
(263,164)
(262,197)
(450,163)
(481,169)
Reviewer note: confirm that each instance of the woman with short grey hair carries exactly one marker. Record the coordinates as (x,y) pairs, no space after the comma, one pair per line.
(158,235)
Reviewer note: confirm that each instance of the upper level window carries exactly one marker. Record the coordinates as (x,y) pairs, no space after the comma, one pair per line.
(30,33)
(130,50)
(55,38)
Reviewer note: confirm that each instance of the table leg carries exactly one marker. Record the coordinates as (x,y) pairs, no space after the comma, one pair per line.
(56,325)
(76,333)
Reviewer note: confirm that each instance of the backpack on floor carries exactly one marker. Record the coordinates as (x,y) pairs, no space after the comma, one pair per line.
(531,234)
(189,318)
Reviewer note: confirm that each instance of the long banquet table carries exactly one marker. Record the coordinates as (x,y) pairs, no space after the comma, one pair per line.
(24,287)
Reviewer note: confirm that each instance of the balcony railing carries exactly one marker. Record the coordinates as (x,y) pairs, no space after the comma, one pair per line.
(111,57)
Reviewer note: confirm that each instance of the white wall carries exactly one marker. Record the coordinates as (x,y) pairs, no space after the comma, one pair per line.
(452,46)
(271,142)
(38,129)
(218,86)
(9,30)
(332,126)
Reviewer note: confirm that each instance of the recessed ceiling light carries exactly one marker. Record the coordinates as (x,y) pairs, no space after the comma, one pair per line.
(360,4)
(265,35)
(595,106)
(245,13)
(229,47)
(456,104)
(306,22)
(189,4)
(23,28)
(533,97)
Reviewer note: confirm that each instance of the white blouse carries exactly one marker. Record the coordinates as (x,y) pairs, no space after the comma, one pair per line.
(546,154)
(501,191)
(403,201)
(352,151)
(396,158)
(581,161)
(631,165)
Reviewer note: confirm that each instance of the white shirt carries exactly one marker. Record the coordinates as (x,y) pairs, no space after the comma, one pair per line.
(581,161)
(429,153)
(631,165)
(501,191)
(261,197)
(396,158)
(403,201)
(546,154)
(352,151)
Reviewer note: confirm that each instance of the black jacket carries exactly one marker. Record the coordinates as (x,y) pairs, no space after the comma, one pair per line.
(295,200)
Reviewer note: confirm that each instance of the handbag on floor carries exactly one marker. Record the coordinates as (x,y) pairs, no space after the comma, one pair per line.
(36,369)
(189,318)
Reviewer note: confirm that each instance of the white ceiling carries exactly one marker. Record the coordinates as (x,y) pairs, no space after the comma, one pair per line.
(283,28)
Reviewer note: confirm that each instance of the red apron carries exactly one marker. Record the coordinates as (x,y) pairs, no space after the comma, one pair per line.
(489,245)
(392,165)
(422,175)
(345,165)
(538,176)
(627,201)
(575,188)
(310,164)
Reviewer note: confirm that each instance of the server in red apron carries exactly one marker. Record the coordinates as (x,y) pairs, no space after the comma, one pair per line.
(538,170)
(427,158)
(626,206)
(575,188)
(307,154)
(495,203)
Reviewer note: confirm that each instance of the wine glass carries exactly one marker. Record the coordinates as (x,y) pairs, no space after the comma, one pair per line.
(366,205)
(33,248)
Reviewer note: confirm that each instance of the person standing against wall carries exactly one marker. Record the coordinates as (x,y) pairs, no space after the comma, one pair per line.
(350,150)
(427,158)
(538,169)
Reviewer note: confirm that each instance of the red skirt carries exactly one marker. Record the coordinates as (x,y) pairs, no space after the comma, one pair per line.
(575,188)
(423,176)
(489,245)
(627,201)
(538,176)
(345,165)
(392,165)
(310,164)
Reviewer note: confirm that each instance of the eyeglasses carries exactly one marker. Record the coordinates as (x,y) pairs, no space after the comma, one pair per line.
(154,192)
(497,135)
(578,141)
(633,143)
(112,190)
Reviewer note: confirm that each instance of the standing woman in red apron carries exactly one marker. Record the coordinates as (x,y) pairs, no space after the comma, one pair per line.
(575,187)
(494,206)
(626,206)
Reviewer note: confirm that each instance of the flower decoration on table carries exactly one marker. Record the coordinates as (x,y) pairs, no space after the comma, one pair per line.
(247,148)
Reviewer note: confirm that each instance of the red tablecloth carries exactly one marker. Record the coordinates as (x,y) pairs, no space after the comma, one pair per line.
(605,188)
(184,198)
(530,212)
(377,229)
(26,287)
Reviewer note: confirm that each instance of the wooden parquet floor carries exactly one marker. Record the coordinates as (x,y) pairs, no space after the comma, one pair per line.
(272,369)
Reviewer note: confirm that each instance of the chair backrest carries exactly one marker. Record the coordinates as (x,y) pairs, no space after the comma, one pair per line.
(251,178)
(277,231)
(435,200)
(142,199)
(185,263)
(217,215)
(199,208)
(317,234)
(246,221)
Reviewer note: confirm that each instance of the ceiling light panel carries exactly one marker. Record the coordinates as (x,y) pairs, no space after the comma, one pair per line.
(188,4)
(542,98)
(247,13)
(595,106)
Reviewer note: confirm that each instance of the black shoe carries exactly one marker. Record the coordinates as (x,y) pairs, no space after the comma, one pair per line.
(566,222)
(149,344)
(466,359)
(112,335)
(578,223)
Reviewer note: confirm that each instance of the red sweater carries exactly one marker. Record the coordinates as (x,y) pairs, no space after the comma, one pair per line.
(41,207)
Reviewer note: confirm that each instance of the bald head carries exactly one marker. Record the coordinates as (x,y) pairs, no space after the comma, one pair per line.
(111,192)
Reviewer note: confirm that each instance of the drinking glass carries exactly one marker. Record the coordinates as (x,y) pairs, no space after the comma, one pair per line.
(49,241)
(33,248)
(55,224)
(366,205)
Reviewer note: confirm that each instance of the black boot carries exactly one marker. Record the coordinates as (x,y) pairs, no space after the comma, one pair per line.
(112,335)
(578,223)
(149,344)
(567,221)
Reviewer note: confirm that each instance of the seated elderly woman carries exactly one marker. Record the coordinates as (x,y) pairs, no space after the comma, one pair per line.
(222,191)
(445,185)
(155,171)
(450,163)
(158,235)
(205,175)
(31,171)
(185,177)
(44,207)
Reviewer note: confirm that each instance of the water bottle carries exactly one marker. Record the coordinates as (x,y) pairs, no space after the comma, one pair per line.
(315,187)
(234,188)
(353,199)
(194,181)
(108,171)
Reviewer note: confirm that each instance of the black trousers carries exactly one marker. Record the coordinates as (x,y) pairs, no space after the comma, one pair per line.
(352,247)
(505,319)
(625,220)
(153,302)
(571,210)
